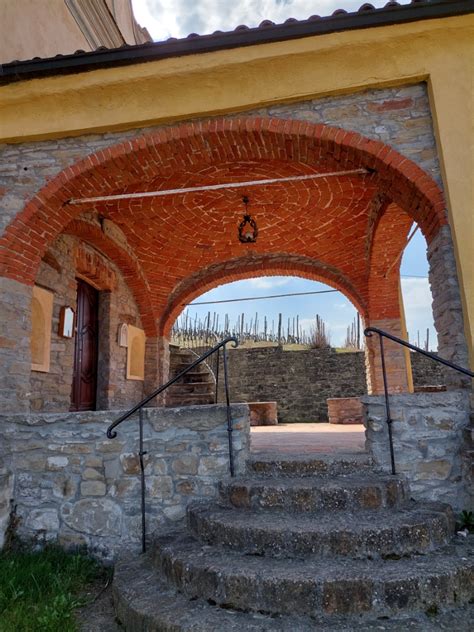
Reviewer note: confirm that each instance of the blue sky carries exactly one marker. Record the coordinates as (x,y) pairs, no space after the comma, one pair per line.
(178,18)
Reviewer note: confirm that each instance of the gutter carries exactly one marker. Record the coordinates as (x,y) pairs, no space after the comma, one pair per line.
(267,32)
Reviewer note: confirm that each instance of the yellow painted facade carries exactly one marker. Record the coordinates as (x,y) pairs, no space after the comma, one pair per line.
(440,51)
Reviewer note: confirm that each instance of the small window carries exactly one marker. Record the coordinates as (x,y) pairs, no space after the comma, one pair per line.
(41,322)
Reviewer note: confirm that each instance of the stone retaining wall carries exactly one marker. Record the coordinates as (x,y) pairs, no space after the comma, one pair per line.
(75,486)
(428,436)
(301,382)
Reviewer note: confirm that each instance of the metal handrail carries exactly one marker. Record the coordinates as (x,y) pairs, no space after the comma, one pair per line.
(368,332)
(111,433)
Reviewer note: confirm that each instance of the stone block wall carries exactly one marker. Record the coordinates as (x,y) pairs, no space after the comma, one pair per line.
(74,486)
(301,382)
(51,391)
(426,372)
(428,436)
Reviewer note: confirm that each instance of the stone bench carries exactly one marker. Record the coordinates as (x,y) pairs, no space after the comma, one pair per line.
(345,410)
(263,413)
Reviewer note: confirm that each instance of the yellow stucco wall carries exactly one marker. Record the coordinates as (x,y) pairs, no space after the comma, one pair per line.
(439,51)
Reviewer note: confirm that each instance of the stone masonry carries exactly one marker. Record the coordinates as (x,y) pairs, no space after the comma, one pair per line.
(301,382)
(51,391)
(75,486)
(428,436)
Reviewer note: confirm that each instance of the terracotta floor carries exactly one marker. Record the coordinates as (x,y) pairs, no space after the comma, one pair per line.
(307,438)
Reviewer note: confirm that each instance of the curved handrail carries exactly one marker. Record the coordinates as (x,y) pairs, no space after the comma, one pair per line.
(111,433)
(370,330)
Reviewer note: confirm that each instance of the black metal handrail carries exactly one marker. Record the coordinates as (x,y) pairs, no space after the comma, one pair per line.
(369,331)
(111,433)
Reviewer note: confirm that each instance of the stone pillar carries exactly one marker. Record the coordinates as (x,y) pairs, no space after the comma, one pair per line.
(15,353)
(447,306)
(164,358)
(152,378)
(394,359)
(157,365)
(104,386)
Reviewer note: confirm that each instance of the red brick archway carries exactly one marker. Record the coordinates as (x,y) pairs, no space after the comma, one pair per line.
(162,155)
(266,265)
(184,244)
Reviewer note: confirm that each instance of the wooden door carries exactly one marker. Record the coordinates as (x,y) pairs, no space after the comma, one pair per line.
(84,384)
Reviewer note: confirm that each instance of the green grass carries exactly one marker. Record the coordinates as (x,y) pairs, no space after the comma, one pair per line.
(40,590)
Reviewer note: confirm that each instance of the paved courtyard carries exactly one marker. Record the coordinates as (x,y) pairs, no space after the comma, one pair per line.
(308,438)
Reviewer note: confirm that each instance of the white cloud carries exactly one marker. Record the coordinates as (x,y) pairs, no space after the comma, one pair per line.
(417,301)
(178,18)
(266,283)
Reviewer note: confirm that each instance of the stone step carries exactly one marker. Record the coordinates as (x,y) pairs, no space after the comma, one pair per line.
(190,387)
(309,494)
(145,603)
(189,400)
(311,587)
(415,529)
(321,465)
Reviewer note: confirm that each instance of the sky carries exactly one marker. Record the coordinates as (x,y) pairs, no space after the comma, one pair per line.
(178,18)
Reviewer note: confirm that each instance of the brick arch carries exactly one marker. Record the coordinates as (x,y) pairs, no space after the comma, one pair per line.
(133,276)
(121,167)
(283,264)
(388,241)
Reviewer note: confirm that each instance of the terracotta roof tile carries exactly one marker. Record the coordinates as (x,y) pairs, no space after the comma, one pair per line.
(267,31)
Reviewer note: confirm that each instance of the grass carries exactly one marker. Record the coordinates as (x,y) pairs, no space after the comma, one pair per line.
(39,590)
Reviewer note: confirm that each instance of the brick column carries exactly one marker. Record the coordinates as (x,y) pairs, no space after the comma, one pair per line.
(394,359)
(157,365)
(447,306)
(15,354)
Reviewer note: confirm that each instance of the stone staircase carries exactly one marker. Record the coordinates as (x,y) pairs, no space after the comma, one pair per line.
(302,544)
(194,388)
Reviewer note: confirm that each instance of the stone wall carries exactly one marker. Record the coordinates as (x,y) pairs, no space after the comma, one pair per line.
(302,381)
(51,391)
(299,381)
(426,372)
(75,486)
(428,436)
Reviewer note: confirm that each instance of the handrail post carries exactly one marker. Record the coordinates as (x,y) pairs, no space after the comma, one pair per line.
(229,419)
(387,406)
(141,454)
(217,374)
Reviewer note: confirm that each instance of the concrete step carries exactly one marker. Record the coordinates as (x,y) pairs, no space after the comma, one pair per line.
(369,534)
(145,603)
(311,587)
(309,494)
(322,465)
(189,399)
